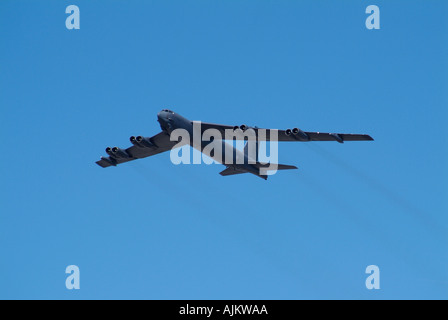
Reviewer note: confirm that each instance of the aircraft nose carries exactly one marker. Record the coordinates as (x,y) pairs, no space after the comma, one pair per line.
(160,116)
(164,120)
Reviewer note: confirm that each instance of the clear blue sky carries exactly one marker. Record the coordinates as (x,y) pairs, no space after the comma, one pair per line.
(152,230)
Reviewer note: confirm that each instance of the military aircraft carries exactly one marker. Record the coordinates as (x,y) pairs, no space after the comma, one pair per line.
(239,161)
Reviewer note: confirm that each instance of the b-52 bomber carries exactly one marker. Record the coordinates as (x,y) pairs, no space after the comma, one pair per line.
(236,161)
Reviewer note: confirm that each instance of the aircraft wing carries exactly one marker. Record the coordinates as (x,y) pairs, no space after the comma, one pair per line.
(155,145)
(291,135)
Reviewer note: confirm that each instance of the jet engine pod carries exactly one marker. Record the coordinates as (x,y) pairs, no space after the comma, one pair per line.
(134,141)
(109,151)
(288,132)
(337,137)
(300,134)
(243,127)
(145,142)
(119,153)
(235,128)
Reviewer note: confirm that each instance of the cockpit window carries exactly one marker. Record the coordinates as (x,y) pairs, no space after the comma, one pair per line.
(166,110)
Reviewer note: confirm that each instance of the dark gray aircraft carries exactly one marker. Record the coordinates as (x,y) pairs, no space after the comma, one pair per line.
(238,162)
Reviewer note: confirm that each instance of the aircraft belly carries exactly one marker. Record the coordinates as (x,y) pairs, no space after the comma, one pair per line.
(234,155)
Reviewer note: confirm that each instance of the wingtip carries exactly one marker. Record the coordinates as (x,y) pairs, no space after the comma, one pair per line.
(105,162)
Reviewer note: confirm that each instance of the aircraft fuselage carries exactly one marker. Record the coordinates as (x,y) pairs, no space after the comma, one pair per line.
(170,121)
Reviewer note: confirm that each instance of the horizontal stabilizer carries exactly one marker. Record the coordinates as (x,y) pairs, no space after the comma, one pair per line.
(231,171)
(285,167)
(271,166)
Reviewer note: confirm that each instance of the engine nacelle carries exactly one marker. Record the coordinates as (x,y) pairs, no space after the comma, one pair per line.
(134,141)
(242,127)
(144,142)
(288,132)
(119,153)
(301,135)
(109,151)
(337,137)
